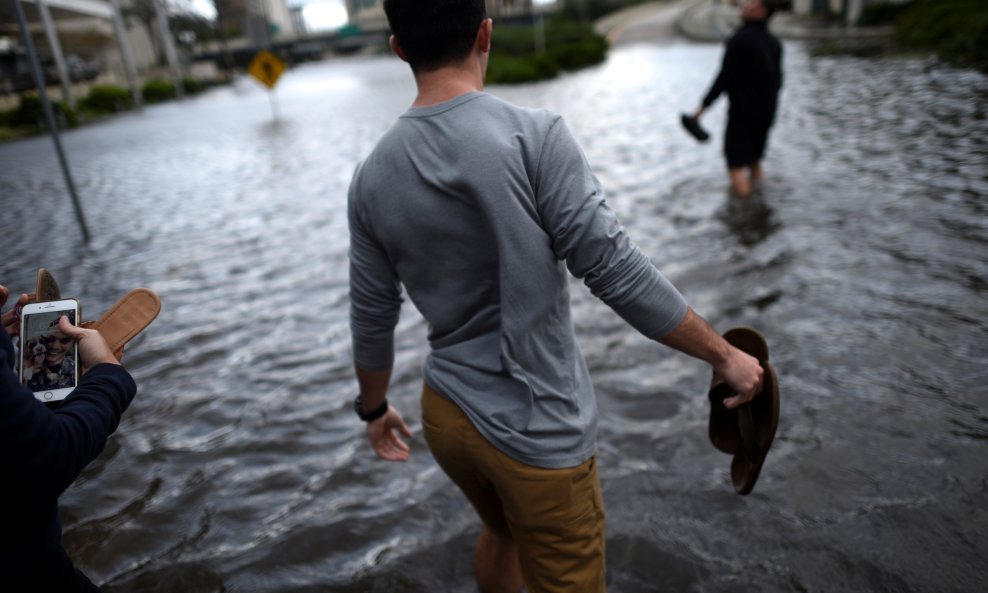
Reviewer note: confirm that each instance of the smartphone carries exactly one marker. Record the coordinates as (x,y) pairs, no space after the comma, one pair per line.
(49,364)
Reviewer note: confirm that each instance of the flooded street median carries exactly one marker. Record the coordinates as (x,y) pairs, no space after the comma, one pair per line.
(241,467)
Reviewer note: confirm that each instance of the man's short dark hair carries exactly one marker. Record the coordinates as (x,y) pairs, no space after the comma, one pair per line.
(435,33)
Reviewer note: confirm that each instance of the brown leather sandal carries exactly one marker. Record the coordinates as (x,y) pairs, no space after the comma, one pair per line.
(746,432)
(127,318)
(122,323)
(45,288)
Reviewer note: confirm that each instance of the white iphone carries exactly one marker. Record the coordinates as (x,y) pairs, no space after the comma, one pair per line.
(49,359)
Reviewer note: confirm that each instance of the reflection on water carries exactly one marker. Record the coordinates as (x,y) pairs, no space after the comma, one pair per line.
(240,466)
(750,220)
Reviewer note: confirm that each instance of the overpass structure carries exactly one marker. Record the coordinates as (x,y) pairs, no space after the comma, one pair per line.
(296,48)
(94,8)
(108,10)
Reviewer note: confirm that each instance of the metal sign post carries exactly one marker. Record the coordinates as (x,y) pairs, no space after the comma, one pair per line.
(267,68)
(39,81)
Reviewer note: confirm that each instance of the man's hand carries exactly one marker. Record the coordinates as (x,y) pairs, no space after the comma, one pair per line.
(743,373)
(383,435)
(93,349)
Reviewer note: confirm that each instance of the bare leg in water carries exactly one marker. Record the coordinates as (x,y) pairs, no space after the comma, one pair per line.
(756,172)
(496,564)
(741,182)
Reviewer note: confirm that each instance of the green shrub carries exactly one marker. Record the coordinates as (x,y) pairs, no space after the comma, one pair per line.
(570,45)
(193,86)
(573,56)
(30,114)
(156,91)
(513,41)
(874,15)
(590,10)
(505,69)
(107,98)
(65,115)
(956,29)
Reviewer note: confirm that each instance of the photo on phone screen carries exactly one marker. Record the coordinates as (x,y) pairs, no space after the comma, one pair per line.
(48,357)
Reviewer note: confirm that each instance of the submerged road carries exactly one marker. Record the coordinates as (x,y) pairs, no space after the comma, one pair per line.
(240,466)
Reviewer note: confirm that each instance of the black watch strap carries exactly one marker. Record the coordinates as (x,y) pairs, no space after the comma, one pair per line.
(358,407)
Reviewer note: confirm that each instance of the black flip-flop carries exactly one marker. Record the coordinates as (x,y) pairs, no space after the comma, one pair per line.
(746,432)
(692,125)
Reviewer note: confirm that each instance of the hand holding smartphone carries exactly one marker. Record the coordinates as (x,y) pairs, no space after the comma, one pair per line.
(49,364)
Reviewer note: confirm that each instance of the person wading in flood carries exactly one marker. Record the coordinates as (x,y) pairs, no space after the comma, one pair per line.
(478,207)
(751,74)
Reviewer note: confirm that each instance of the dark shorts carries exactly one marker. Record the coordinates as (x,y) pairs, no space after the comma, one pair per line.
(744,142)
(554,516)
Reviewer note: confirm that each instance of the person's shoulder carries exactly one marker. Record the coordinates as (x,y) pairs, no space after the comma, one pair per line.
(750,37)
(745,31)
(521,112)
(531,121)
(738,40)
(388,142)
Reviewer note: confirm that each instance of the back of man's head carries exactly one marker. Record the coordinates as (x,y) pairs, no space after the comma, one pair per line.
(435,33)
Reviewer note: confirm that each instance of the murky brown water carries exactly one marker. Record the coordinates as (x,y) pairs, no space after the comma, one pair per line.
(240,466)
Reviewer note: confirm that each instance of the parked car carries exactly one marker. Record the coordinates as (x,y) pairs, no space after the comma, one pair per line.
(76,67)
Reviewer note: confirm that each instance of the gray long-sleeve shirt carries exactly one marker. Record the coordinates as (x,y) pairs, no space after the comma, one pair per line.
(477,207)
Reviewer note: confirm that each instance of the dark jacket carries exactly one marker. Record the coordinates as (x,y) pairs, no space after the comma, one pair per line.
(43,452)
(751,73)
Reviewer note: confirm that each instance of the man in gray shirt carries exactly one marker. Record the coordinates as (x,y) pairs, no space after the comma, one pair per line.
(478,208)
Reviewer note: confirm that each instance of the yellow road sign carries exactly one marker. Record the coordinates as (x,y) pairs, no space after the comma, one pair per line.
(266,67)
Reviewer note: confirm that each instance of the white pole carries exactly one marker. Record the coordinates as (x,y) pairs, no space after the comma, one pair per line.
(854,8)
(274,104)
(56,49)
(169,44)
(539,33)
(120,29)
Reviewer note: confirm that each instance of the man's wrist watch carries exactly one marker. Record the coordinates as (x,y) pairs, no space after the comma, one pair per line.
(358,407)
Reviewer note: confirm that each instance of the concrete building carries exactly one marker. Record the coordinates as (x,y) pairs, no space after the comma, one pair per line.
(267,21)
(299,27)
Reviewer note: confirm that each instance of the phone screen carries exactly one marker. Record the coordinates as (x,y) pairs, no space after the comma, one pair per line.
(48,357)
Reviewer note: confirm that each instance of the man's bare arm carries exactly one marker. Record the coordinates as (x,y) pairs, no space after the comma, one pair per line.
(695,337)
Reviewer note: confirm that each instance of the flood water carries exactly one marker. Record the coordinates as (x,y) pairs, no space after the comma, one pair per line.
(240,465)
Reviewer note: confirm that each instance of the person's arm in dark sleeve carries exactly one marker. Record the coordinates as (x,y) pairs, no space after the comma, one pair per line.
(728,72)
(88,417)
(48,449)
(781,71)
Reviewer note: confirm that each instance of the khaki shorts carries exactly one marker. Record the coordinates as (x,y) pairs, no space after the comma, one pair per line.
(554,516)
